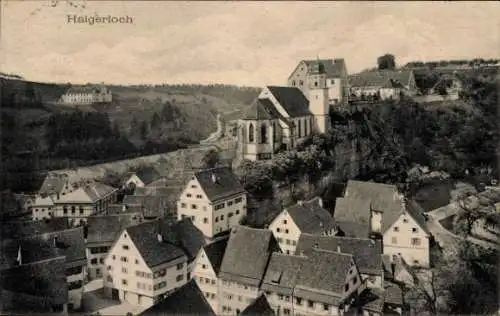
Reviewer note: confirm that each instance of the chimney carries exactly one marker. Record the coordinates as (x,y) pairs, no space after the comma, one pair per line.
(320,202)
(338,249)
(214,178)
(300,202)
(124,207)
(55,241)
(19,258)
(159,237)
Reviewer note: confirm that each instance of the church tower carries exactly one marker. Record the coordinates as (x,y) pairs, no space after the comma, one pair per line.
(318,97)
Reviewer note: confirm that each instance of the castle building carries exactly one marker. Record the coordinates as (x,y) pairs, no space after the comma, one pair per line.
(87,95)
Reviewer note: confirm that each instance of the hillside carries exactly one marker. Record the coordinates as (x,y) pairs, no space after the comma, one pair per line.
(141,120)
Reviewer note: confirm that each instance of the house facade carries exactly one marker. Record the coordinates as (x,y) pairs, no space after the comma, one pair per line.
(214,200)
(243,267)
(87,95)
(206,271)
(385,214)
(382,84)
(303,217)
(309,75)
(150,260)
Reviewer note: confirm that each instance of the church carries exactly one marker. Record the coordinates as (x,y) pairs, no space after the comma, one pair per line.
(283,116)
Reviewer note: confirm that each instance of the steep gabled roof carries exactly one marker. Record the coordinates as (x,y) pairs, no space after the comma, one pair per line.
(218,183)
(247,254)
(282,273)
(187,300)
(147,174)
(334,68)
(416,212)
(44,282)
(379,78)
(90,193)
(53,184)
(150,205)
(362,197)
(259,307)
(311,217)
(326,272)
(178,239)
(21,229)
(367,253)
(105,229)
(260,109)
(292,100)
(215,252)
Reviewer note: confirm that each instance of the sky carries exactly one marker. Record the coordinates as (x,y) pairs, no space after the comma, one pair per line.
(241,43)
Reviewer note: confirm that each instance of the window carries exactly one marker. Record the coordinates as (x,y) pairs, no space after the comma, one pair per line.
(414,230)
(183,205)
(251,133)
(123,259)
(230,214)
(198,196)
(213,282)
(113,257)
(293,82)
(217,219)
(310,304)
(280,240)
(194,206)
(229,203)
(298,301)
(101,260)
(396,228)
(237,212)
(280,297)
(415,241)
(405,220)
(238,200)
(394,240)
(300,128)
(125,247)
(263,134)
(81,210)
(65,210)
(189,195)
(109,268)
(222,217)
(204,266)
(354,280)
(73,210)
(286,311)
(180,266)
(193,186)
(124,282)
(278,230)
(315,83)
(205,220)
(109,278)
(136,261)
(124,270)
(284,221)
(346,288)
(286,231)
(332,81)
(287,241)
(93,261)
(325,307)
(415,261)
(288,251)
(219,206)
(179,278)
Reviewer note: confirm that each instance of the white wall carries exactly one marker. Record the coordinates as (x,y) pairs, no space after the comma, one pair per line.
(286,232)
(206,279)
(398,241)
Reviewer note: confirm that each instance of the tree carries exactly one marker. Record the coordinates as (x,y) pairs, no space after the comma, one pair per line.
(144,130)
(256,179)
(155,121)
(387,61)
(284,168)
(134,125)
(211,159)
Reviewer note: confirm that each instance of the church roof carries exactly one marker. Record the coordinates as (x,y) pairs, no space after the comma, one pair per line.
(261,109)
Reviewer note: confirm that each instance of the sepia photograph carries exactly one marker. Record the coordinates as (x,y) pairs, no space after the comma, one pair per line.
(247,158)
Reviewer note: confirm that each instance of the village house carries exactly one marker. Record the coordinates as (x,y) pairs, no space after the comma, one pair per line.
(207,268)
(379,302)
(367,254)
(88,94)
(322,283)
(384,84)
(243,266)
(448,85)
(67,244)
(309,75)
(214,200)
(34,288)
(187,300)
(55,185)
(143,177)
(151,206)
(304,217)
(150,260)
(89,199)
(102,232)
(42,208)
(385,213)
